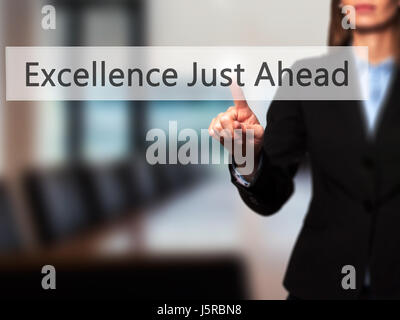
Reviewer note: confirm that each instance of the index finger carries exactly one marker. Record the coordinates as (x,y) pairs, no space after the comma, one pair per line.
(238,96)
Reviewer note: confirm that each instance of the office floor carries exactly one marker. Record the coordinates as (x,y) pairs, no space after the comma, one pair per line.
(212,218)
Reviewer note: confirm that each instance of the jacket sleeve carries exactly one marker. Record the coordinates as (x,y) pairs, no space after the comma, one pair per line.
(284,147)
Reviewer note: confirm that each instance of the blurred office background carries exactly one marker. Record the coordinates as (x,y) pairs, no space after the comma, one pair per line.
(75,188)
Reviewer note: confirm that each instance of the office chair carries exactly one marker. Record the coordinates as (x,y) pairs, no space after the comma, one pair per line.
(58,205)
(9,237)
(103,188)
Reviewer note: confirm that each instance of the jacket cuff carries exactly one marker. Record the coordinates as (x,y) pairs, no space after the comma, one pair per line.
(240,180)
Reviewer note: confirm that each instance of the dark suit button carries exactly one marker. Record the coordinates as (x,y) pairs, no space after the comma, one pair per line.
(368,162)
(369,206)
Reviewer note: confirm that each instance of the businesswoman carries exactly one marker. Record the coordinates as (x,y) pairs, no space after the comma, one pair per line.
(354,151)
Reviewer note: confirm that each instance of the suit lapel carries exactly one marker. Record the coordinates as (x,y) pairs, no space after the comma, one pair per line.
(390,108)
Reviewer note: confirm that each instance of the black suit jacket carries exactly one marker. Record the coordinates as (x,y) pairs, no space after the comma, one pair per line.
(354,215)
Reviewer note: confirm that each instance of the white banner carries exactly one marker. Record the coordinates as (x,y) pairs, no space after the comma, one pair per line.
(182,73)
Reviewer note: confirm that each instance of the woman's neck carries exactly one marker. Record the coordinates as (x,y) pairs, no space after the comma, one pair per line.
(380,44)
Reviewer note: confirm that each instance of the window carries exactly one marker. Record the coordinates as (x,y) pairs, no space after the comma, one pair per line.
(50,140)
(106,130)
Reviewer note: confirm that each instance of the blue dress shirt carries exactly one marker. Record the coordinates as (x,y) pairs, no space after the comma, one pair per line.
(375,81)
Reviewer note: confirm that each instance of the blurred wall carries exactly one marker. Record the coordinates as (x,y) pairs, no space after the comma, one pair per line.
(2,85)
(17,117)
(238,22)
